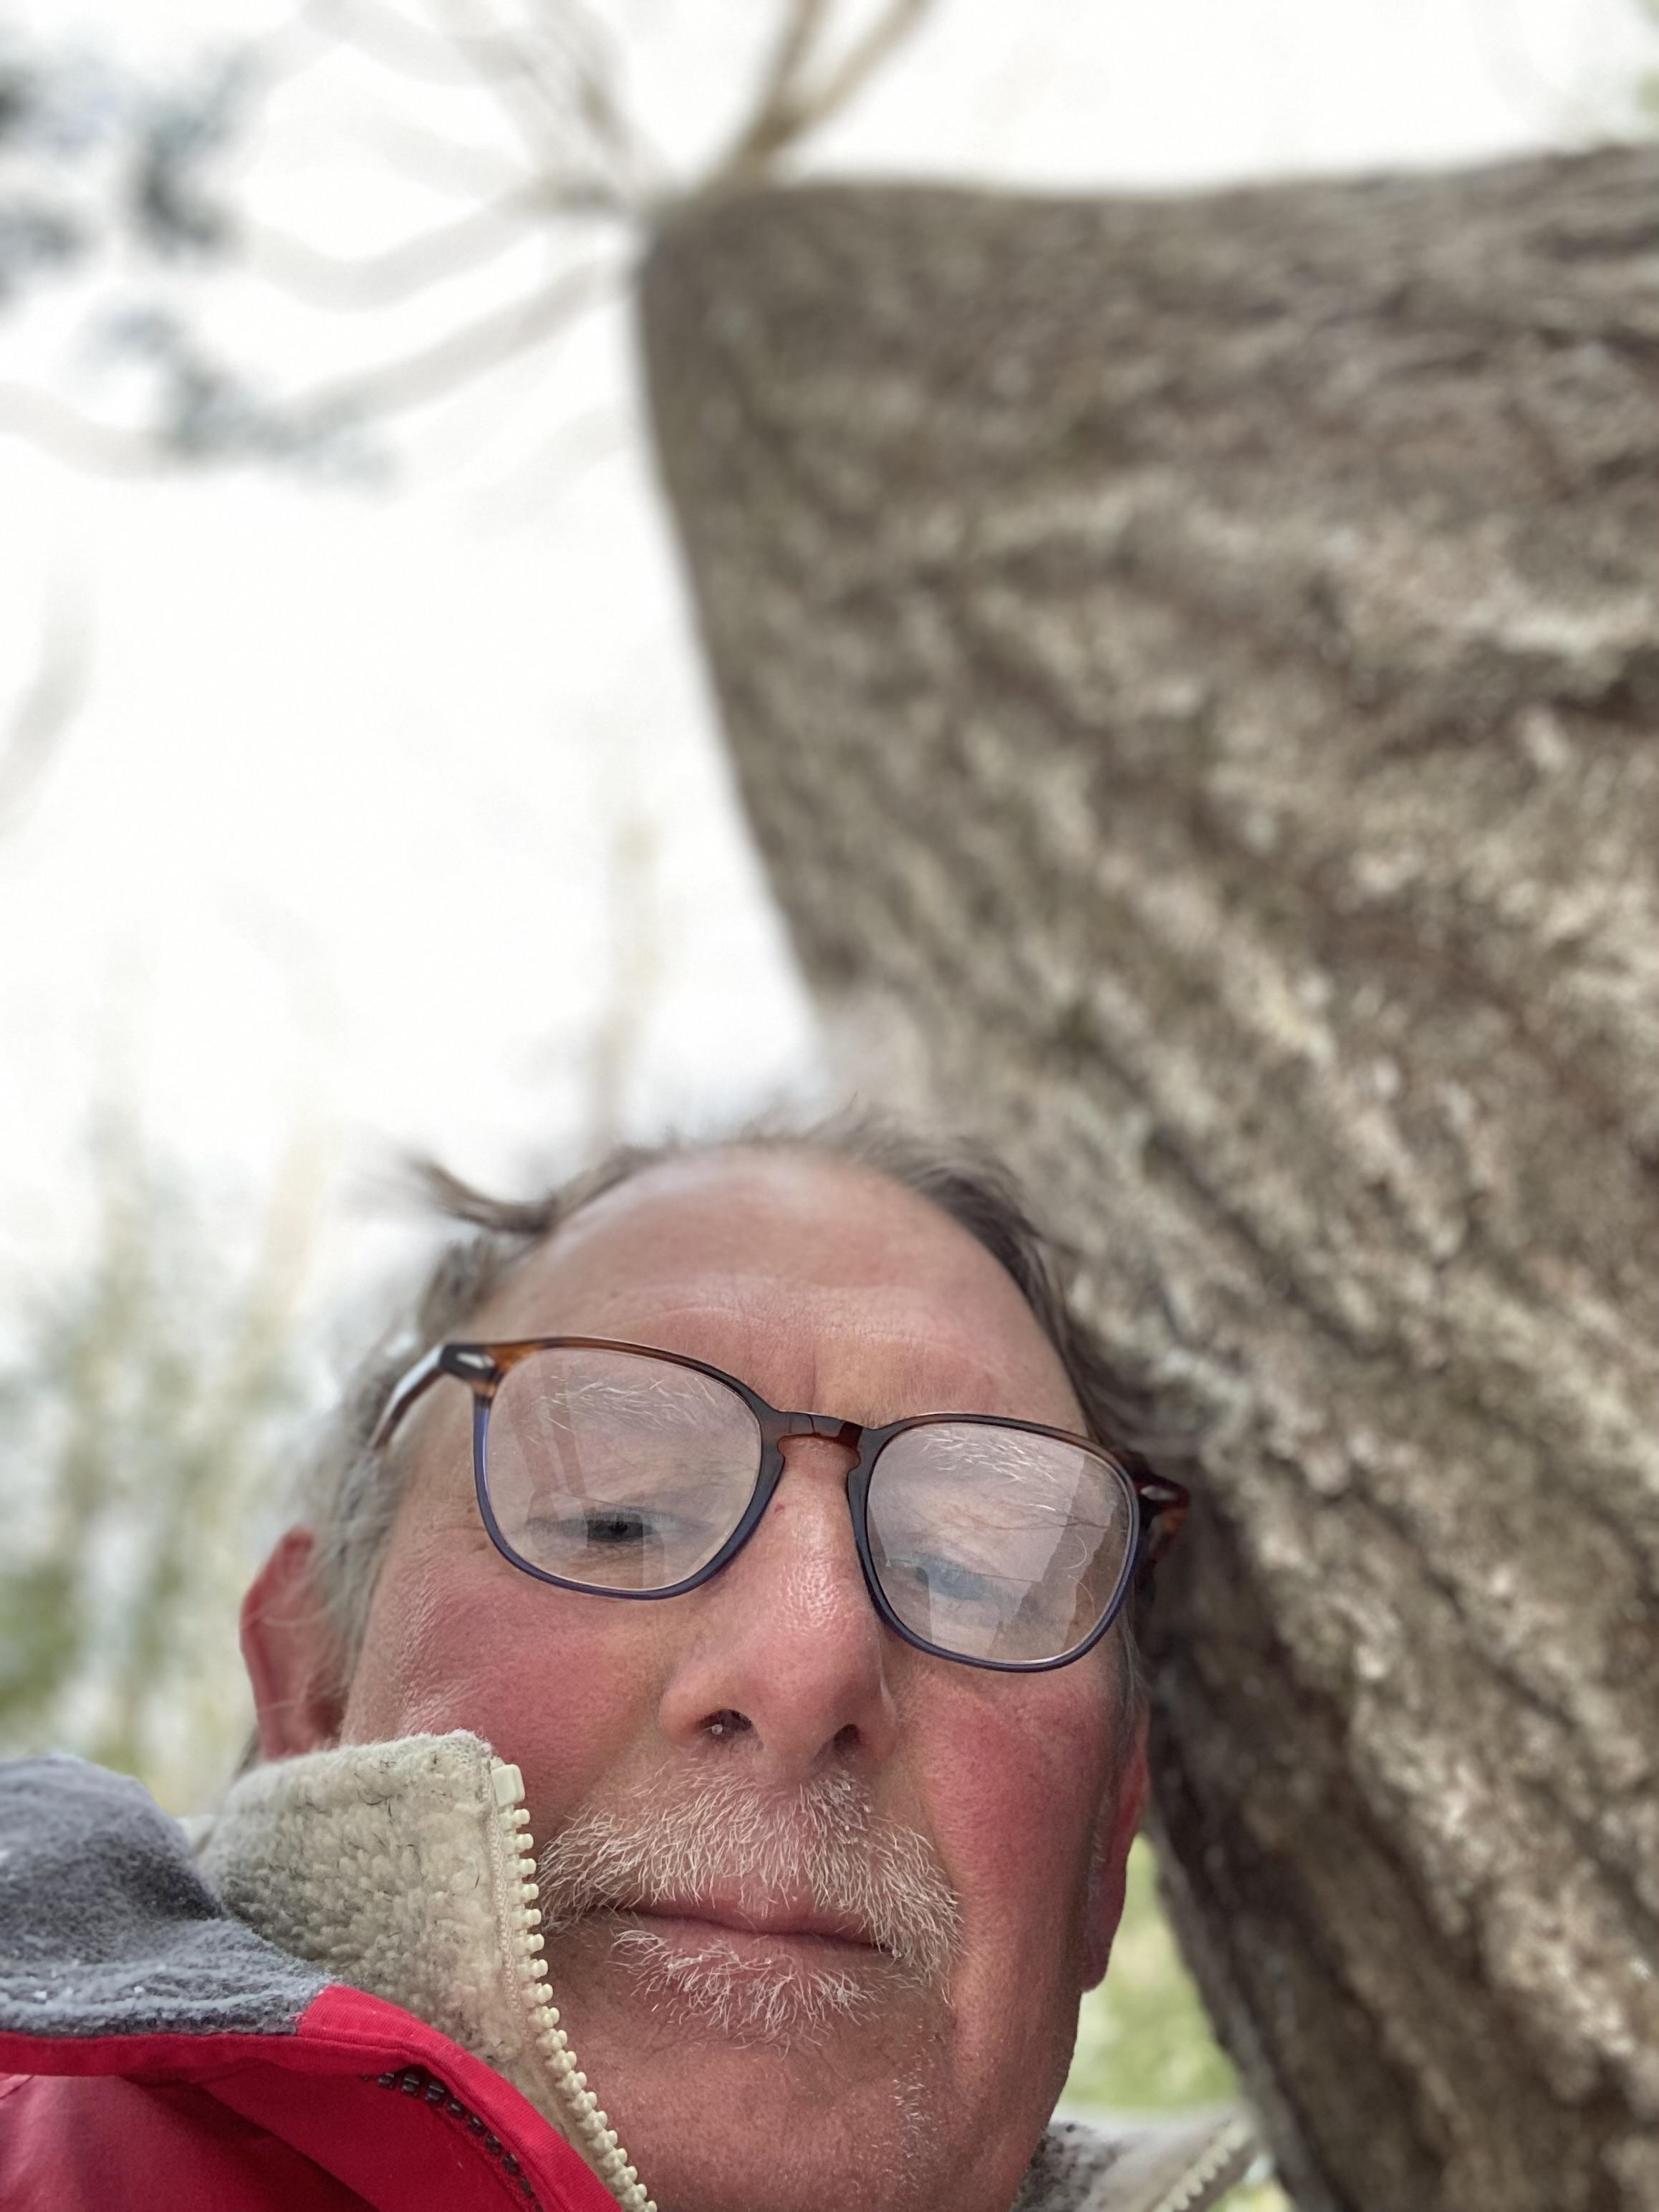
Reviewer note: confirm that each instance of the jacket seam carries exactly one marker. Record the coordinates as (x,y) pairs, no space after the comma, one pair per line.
(416,2083)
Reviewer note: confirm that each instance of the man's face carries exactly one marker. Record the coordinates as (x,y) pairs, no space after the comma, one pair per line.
(776,1688)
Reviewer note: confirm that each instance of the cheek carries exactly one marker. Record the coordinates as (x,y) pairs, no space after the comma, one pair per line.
(1016,1782)
(457,1638)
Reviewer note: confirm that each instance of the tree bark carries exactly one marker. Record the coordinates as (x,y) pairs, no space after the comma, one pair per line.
(1199,660)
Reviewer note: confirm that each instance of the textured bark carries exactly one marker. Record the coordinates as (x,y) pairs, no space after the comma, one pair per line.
(1199,661)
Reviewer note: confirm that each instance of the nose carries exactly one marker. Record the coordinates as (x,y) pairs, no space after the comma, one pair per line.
(784,1661)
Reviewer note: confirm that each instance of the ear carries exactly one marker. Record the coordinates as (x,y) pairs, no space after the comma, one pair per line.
(1120,1820)
(289,1651)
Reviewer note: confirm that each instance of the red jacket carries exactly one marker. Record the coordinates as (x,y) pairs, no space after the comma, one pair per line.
(137,2075)
(363,2104)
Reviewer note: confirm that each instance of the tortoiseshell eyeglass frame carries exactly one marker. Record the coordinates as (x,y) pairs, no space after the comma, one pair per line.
(1157,1506)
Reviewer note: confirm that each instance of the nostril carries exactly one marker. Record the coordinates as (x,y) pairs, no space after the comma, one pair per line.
(726,1723)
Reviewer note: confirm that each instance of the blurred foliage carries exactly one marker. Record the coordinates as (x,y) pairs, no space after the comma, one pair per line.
(147,1414)
(102,170)
(113,206)
(94,159)
(1144,2044)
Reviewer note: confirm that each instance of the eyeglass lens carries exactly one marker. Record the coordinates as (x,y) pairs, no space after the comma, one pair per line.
(625,1472)
(617,1470)
(996,1543)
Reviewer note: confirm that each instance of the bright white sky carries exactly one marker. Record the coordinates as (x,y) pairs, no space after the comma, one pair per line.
(375,797)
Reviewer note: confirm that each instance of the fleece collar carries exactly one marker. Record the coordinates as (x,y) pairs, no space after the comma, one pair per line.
(387,1866)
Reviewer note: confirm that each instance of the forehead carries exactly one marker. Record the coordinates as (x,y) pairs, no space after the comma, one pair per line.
(824,1285)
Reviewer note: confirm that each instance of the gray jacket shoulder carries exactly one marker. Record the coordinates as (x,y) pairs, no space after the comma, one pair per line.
(107,1928)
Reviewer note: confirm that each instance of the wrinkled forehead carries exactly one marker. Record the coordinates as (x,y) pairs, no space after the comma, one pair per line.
(824,1285)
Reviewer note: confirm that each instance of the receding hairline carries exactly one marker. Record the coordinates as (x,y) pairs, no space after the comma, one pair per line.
(680,1173)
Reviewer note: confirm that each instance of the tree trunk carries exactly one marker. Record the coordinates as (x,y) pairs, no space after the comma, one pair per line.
(1199,660)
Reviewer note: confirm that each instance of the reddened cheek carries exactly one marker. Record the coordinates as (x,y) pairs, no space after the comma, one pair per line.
(1016,1773)
(1054,1748)
(560,1684)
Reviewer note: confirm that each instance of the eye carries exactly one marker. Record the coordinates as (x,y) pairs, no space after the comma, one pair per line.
(602,1527)
(620,1524)
(951,1582)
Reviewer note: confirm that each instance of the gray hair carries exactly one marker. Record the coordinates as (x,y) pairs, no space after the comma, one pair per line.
(350,1493)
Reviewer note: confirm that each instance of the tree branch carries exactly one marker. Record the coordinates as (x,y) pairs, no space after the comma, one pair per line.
(786,107)
(592,75)
(511,72)
(45,711)
(398,43)
(464,171)
(81,440)
(862,62)
(418,378)
(776,95)
(414,266)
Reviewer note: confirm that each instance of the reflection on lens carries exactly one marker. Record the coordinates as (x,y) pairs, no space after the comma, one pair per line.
(996,1544)
(618,1470)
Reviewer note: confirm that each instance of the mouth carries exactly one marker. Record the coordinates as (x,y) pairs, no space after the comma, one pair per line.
(745,1929)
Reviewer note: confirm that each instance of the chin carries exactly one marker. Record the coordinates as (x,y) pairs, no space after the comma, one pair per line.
(765,2140)
(721,2117)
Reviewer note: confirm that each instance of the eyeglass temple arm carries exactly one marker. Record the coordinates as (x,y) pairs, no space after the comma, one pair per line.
(472,1363)
(1164,1506)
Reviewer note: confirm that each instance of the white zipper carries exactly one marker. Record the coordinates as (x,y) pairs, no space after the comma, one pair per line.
(591,2132)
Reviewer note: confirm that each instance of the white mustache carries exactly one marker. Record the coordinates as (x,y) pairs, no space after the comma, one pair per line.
(822,1850)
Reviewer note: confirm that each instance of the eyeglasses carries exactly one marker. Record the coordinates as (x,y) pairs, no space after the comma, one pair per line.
(625,1472)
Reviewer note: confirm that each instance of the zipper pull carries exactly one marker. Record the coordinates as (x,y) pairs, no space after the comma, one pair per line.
(508,1783)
